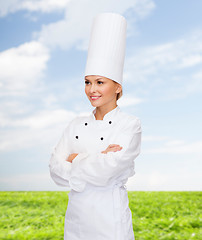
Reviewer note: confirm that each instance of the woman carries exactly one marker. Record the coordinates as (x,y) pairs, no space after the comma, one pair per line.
(95,157)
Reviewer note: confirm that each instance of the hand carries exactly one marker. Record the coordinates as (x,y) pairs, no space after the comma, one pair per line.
(112,148)
(71,157)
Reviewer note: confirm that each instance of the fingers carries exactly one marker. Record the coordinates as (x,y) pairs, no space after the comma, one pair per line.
(114,145)
(117,149)
(114,148)
(71,157)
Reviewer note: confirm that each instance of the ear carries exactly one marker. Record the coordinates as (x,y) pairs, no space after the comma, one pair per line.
(118,88)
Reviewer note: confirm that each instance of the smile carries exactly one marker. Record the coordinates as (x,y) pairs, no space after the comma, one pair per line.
(95,97)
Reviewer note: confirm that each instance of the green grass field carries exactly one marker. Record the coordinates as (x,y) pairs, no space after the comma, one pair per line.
(156,215)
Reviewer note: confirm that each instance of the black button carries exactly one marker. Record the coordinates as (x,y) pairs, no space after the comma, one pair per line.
(86,124)
(110,122)
(77,137)
(101,138)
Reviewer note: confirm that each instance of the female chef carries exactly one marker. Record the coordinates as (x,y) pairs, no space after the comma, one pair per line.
(95,155)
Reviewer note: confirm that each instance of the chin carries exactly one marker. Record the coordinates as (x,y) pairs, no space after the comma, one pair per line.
(95,104)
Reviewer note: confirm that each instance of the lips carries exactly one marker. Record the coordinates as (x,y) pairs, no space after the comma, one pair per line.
(95,97)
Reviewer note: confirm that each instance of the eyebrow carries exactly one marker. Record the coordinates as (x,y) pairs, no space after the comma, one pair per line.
(95,79)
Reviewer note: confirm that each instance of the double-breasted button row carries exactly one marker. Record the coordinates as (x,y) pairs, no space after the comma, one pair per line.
(110,122)
(78,137)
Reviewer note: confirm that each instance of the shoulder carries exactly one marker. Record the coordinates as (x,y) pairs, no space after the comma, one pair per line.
(130,121)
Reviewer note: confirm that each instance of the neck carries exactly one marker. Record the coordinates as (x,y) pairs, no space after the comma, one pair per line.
(102,110)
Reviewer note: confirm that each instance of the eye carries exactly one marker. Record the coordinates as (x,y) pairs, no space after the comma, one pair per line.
(99,82)
(87,82)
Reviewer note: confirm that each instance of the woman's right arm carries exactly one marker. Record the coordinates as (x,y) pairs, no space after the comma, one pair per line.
(58,166)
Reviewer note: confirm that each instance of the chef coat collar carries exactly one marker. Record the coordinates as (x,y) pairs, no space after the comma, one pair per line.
(108,115)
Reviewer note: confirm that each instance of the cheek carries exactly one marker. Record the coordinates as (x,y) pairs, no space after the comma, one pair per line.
(108,90)
(86,90)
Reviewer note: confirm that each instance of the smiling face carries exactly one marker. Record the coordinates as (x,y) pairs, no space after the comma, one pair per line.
(101,91)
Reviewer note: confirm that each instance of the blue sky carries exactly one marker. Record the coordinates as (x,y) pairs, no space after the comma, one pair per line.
(43,51)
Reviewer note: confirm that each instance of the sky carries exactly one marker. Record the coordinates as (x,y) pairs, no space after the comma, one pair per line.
(43,52)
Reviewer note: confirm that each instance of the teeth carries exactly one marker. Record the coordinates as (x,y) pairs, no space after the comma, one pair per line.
(94,97)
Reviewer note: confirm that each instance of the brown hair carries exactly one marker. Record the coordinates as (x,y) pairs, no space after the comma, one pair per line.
(119,95)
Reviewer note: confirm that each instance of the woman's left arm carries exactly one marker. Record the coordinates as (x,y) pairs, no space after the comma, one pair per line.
(99,168)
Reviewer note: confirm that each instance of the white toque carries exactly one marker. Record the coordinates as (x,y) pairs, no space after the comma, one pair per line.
(106,51)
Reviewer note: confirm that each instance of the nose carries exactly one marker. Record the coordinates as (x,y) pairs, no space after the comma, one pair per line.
(92,88)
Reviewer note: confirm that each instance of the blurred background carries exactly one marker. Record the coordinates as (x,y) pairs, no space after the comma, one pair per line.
(43,51)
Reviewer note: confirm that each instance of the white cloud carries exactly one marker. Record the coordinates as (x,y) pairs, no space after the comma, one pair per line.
(22,67)
(153,138)
(177,147)
(44,5)
(127,100)
(193,85)
(141,7)
(41,128)
(158,181)
(174,143)
(39,120)
(173,68)
(11,6)
(8,6)
(29,182)
(11,107)
(46,119)
(75,28)
(190,61)
(175,55)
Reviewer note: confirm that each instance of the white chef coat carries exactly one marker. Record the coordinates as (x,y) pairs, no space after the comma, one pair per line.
(98,207)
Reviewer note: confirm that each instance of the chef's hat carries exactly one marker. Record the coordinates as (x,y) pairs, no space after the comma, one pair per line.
(106,51)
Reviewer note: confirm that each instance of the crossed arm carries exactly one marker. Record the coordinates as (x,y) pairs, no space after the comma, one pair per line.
(110,148)
(97,168)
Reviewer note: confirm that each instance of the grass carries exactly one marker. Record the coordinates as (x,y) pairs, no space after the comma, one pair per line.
(166,215)
(156,215)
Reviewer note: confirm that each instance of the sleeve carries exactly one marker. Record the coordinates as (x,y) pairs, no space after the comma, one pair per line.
(99,168)
(58,166)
